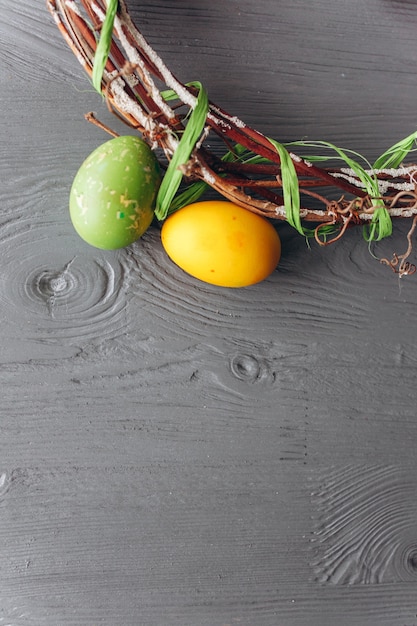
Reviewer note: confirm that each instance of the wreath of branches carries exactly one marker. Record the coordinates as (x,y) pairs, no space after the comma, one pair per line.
(252,170)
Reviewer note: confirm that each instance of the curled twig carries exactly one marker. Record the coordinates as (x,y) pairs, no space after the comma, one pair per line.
(399,263)
(342,213)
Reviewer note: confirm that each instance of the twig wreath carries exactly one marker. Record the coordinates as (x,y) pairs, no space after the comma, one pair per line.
(254,171)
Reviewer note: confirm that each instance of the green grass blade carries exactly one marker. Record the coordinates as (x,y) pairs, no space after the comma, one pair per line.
(380,226)
(350,158)
(381,223)
(170,94)
(188,196)
(173,175)
(395,155)
(103,46)
(290,187)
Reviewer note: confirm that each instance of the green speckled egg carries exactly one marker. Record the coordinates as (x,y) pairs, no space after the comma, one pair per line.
(113,194)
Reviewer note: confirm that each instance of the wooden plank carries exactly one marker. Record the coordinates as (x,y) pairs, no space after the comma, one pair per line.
(174,453)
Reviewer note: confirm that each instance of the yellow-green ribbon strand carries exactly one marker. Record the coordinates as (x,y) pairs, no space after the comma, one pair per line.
(190,136)
(380,226)
(103,46)
(381,223)
(395,155)
(290,187)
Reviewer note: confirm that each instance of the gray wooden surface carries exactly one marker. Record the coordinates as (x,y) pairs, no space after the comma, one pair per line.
(176,454)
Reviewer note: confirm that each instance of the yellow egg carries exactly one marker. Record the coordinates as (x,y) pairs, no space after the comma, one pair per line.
(221,243)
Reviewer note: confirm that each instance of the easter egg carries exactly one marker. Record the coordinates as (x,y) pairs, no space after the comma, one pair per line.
(221,243)
(113,194)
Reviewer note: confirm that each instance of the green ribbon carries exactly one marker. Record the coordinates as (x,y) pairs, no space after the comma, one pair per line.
(104,43)
(290,187)
(190,136)
(380,226)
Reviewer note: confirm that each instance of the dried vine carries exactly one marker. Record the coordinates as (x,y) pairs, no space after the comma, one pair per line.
(253,170)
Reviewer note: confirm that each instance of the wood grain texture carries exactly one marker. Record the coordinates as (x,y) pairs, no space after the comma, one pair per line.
(366,532)
(177,454)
